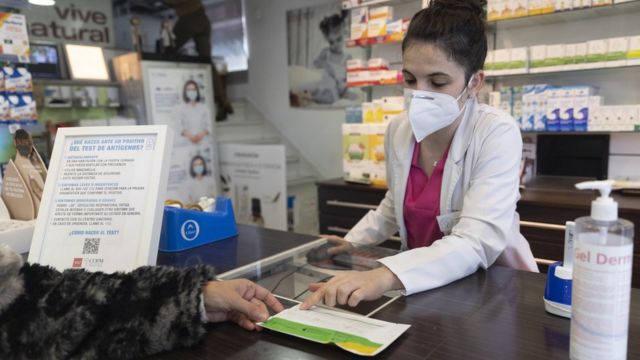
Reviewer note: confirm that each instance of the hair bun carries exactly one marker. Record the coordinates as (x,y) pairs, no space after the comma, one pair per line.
(477,7)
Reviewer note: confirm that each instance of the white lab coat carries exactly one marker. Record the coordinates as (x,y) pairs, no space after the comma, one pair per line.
(478,199)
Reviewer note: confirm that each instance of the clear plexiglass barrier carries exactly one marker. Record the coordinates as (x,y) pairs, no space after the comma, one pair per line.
(289,273)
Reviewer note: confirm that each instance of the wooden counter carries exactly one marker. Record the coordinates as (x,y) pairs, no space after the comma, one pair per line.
(497,314)
(546,201)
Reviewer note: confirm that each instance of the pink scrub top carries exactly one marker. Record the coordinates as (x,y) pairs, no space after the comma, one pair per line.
(422,202)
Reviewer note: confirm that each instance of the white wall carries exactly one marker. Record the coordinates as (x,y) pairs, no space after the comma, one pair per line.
(315,133)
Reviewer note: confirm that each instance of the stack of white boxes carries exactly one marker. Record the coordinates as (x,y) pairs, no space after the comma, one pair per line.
(602,53)
(541,107)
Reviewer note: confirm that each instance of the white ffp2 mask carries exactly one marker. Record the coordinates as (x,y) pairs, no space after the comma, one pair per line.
(430,111)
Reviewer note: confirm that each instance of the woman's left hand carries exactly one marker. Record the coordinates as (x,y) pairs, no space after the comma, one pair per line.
(352,287)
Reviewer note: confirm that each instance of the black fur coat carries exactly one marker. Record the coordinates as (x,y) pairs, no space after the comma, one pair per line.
(45,314)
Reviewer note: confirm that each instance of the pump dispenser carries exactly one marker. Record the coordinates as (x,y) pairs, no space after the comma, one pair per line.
(601,289)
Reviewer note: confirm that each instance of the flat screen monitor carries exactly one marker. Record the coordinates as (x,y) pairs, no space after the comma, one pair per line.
(45,61)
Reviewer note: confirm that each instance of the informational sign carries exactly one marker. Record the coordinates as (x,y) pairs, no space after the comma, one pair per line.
(255,177)
(88,22)
(14,39)
(182,98)
(102,204)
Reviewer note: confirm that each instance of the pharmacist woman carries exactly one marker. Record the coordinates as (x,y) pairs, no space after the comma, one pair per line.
(452,170)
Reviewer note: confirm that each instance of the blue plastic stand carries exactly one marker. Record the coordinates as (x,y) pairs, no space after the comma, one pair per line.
(186,229)
(557,293)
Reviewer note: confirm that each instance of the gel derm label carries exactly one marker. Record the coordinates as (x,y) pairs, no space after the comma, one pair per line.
(600,258)
(600,298)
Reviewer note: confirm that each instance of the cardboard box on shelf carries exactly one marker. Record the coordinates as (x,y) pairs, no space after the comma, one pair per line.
(358,78)
(617,51)
(392,105)
(359,31)
(518,8)
(601,2)
(518,60)
(360,15)
(538,56)
(377,155)
(597,53)
(377,27)
(355,152)
(395,27)
(633,53)
(579,4)
(356,64)
(378,64)
(381,12)
(555,57)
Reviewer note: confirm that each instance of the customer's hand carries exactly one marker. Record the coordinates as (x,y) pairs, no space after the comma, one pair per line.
(340,245)
(353,287)
(240,301)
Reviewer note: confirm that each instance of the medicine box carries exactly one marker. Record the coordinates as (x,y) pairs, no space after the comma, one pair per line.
(377,27)
(356,64)
(617,51)
(360,15)
(633,53)
(355,150)
(597,53)
(538,57)
(378,64)
(359,31)
(381,12)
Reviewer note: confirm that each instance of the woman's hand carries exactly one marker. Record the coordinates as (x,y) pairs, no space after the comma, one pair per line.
(352,287)
(340,245)
(240,301)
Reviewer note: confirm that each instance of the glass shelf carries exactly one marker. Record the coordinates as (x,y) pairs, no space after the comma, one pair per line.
(565,16)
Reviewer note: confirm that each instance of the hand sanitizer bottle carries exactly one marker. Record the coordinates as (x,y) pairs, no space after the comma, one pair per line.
(601,280)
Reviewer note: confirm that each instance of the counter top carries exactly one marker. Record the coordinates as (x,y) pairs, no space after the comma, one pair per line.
(544,191)
(494,314)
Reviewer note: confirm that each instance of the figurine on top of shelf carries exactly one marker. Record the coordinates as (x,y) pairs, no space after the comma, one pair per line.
(136,36)
(167,40)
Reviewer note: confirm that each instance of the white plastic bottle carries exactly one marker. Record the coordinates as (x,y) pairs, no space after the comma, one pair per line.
(601,289)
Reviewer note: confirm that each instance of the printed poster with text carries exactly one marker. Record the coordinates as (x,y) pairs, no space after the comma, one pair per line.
(100,198)
(255,178)
(14,39)
(183,100)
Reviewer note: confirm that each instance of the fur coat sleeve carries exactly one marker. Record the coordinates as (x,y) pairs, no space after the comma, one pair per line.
(45,314)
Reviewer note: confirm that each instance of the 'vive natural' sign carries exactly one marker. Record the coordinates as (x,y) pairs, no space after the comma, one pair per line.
(88,22)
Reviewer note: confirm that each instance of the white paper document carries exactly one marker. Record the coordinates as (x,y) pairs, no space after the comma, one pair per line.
(355,333)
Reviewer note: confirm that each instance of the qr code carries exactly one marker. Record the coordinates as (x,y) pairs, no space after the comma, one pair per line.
(91,246)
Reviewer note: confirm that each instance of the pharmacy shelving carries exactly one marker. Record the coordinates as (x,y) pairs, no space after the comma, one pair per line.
(379,40)
(550,72)
(565,16)
(637,131)
(349,5)
(375,85)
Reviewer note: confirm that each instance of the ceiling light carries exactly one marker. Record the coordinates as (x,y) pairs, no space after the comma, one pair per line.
(42,2)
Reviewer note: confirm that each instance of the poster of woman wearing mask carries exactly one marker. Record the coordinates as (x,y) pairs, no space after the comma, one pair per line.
(183,99)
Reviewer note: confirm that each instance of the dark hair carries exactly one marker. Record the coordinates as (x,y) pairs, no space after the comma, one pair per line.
(331,22)
(184,90)
(457,27)
(204,163)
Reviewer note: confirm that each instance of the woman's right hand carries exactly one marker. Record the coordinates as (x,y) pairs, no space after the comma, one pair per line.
(340,245)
